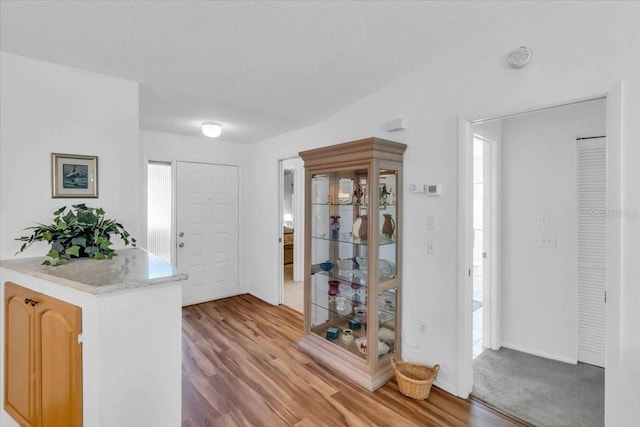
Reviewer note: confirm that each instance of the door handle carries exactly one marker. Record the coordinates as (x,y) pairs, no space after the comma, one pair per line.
(181,234)
(181,245)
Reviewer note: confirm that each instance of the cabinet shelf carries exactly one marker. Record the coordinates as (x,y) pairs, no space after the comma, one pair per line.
(321,330)
(361,205)
(333,274)
(381,240)
(369,170)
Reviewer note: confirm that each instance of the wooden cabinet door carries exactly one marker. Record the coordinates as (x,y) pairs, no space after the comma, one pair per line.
(58,362)
(43,359)
(19,375)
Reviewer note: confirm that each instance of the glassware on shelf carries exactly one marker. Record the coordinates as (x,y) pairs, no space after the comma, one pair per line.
(345,268)
(355,295)
(334,287)
(343,306)
(335,227)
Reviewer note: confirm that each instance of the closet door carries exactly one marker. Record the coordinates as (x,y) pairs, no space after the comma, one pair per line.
(592,217)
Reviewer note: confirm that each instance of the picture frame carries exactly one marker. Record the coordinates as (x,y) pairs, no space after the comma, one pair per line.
(74,176)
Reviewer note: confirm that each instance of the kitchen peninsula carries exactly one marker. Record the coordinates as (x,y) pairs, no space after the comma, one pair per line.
(129,309)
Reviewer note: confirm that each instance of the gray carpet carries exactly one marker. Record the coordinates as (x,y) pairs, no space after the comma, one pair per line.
(541,391)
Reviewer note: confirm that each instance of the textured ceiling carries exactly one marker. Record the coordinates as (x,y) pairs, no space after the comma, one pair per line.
(258,68)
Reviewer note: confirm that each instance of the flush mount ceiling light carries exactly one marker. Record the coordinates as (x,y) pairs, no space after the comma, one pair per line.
(212,130)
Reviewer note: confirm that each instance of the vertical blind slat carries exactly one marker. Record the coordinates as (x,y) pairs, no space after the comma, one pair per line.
(159,210)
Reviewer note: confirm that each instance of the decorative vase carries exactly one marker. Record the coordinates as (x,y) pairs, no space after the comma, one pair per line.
(357,193)
(334,288)
(360,226)
(335,227)
(347,336)
(389,226)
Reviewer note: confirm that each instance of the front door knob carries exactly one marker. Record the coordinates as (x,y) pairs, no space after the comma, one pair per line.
(181,234)
(181,245)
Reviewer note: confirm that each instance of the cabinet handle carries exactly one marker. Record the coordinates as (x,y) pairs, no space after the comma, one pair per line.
(27,300)
(33,303)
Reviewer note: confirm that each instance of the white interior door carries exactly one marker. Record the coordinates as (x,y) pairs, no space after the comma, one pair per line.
(207,230)
(592,217)
(487,243)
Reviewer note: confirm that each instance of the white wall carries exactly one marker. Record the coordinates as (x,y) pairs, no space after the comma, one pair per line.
(167,147)
(47,108)
(474,82)
(539,285)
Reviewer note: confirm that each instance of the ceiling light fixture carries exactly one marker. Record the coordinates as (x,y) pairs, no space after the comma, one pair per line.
(212,130)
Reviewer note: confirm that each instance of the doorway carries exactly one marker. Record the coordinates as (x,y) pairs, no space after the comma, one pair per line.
(539,297)
(207,230)
(291,176)
(483,253)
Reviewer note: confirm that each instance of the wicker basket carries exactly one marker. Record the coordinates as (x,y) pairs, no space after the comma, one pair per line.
(414,380)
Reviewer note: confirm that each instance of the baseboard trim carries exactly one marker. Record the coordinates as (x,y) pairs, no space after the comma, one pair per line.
(527,350)
(500,411)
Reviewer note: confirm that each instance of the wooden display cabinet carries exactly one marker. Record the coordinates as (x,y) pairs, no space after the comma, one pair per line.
(352,273)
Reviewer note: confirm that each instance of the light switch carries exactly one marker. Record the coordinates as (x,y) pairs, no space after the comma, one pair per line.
(431,222)
(545,219)
(431,247)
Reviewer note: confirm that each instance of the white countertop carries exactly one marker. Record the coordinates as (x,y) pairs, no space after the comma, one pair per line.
(130,269)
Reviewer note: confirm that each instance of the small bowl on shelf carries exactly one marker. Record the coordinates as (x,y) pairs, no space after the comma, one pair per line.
(326,266)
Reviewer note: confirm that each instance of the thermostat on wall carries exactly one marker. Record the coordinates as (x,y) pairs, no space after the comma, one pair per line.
(433,189)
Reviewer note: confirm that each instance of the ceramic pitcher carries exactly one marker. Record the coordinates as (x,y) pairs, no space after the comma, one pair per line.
(389,226)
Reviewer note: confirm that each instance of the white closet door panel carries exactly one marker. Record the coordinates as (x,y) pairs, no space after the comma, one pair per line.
(591,196)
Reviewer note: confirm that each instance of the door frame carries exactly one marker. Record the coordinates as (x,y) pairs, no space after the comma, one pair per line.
(298,211)
(612,92)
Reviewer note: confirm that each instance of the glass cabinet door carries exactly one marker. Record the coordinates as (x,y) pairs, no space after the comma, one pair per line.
(341,235)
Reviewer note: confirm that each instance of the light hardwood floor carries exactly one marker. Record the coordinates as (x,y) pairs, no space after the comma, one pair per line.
(241,367)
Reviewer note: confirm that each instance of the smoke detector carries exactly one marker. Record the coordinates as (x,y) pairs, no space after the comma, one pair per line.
(519,57)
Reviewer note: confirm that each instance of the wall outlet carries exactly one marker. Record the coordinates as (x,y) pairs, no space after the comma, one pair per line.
(431,247)
(547,241)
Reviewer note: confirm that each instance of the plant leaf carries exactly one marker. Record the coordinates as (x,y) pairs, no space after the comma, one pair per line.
(73,250)
(98,255)
(79,241)
(53,254)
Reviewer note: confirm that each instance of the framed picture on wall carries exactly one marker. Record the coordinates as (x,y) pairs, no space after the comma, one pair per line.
(74,175)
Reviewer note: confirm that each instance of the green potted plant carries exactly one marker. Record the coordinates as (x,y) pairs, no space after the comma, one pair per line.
(81,231)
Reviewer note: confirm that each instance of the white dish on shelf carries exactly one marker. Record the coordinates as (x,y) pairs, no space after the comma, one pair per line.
(387,269)
(387,335)
(361,345)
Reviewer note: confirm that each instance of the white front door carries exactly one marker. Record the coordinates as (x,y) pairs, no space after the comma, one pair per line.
(207,230)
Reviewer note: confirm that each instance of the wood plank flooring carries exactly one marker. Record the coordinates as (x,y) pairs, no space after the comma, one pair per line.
(241,367)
